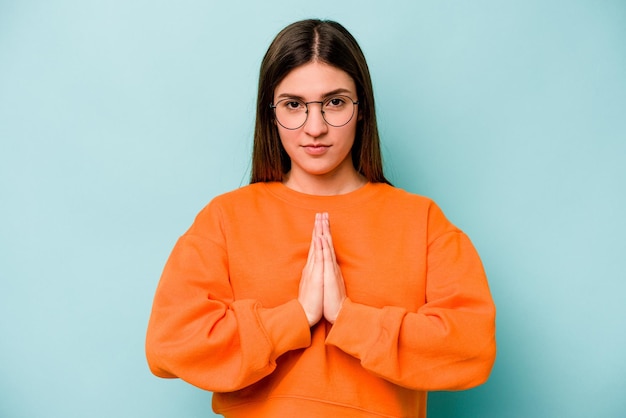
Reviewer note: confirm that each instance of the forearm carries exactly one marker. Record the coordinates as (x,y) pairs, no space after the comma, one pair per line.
(224,348)
(436,350)
(200,333)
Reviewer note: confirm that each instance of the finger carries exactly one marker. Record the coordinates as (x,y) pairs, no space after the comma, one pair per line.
(326,227)
(331,250)
(318,224)
(319,251)
(328,255)
(325,223)
(328,238)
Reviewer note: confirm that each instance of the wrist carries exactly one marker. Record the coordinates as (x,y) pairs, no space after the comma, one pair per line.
(334,317)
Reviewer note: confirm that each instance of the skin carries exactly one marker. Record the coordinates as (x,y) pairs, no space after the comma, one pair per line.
(322,290)
(329,170)
(320,171)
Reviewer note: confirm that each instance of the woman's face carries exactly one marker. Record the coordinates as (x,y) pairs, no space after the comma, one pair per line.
(318,149)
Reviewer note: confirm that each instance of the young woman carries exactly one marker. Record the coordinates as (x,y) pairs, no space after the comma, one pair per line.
(319,290)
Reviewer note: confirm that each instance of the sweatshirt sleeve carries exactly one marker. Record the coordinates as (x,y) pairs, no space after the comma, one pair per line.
(449,343)
(199,333)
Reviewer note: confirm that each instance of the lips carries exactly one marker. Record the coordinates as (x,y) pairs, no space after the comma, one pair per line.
(316,149)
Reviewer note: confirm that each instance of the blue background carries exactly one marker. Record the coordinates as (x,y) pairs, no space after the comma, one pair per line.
(119,120)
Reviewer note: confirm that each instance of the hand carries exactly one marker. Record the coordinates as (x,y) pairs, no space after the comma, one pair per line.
(311,293)
(334,287)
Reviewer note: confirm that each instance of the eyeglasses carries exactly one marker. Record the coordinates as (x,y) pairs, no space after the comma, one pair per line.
(292,114)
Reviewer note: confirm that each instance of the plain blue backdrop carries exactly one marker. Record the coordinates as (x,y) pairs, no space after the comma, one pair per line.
(120,119)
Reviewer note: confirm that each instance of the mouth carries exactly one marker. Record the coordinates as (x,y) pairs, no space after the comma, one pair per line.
(316,149)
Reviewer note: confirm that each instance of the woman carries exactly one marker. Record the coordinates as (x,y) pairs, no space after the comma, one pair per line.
(319,290)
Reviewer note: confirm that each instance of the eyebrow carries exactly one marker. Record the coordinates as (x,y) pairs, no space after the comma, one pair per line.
(324,96)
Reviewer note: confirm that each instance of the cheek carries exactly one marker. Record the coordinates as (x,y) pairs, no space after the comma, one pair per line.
(352,135)
(286,138)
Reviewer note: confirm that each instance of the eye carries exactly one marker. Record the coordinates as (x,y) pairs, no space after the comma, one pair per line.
(292,105)
(336,102)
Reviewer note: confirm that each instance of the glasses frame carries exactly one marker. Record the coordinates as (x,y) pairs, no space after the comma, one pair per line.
(321,103)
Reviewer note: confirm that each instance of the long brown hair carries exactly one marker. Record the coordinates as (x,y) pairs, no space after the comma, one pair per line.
(298,44)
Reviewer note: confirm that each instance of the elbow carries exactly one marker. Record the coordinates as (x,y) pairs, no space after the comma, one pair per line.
(157,370)
(484,356)
(476,357)
(485,364)
(156,361)
(479,366)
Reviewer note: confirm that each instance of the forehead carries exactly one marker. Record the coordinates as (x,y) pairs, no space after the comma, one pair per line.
(314,80)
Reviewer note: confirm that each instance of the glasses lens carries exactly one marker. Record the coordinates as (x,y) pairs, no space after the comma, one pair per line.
(338,110)
(291,114)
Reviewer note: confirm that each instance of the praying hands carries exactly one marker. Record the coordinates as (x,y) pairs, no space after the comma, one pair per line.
(322,290)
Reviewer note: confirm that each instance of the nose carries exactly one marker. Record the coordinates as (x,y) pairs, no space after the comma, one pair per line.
(315,124)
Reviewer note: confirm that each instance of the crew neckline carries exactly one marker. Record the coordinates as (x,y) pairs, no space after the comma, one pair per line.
(319,202)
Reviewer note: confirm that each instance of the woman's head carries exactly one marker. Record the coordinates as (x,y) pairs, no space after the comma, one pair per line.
(298,44)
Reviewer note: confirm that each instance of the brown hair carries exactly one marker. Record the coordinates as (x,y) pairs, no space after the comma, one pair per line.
(298,44)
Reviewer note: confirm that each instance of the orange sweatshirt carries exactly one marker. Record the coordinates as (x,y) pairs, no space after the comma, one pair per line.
(418,317)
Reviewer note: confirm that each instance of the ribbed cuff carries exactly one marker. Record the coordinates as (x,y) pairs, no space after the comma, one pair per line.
(356,329)
(286,326)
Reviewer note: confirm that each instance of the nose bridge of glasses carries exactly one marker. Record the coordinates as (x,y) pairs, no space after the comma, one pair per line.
(306,105)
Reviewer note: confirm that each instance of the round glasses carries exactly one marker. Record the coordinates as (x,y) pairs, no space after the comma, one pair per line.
(292,114)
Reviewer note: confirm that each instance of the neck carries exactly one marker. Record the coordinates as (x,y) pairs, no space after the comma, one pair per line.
(325,185)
